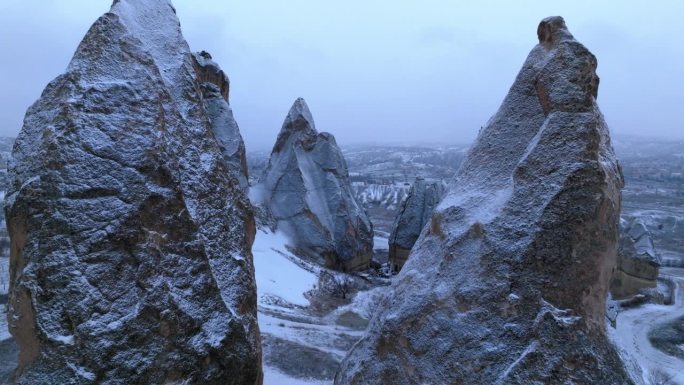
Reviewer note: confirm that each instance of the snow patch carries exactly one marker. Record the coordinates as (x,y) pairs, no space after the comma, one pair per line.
(277,275)
(67,340)
(273,376)
(81,371)
(4,329)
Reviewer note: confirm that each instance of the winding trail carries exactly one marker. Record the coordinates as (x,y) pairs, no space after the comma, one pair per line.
(633,326)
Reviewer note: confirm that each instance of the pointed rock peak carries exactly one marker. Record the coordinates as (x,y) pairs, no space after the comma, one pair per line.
(551,30)
(299,117)
(298,120)
(210,73)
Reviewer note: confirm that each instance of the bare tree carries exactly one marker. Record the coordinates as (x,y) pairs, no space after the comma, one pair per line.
(338,285)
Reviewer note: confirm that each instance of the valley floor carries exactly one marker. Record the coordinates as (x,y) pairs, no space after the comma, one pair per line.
(301,345)
(633,327)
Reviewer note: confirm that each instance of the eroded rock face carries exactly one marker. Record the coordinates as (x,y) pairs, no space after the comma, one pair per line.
(215,87)
(638,261)
(413,214)
(307,190)
(130,242)
(508,282)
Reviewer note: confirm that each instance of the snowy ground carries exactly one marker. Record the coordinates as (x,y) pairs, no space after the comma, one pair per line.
(278,275)
(4,287)
(300,347)
(633,326)
(380,243)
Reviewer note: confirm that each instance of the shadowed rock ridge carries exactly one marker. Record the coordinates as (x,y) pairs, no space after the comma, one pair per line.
(308,192)
(638,262)
(215,87)
(508,282)
(414,214)
(130,239)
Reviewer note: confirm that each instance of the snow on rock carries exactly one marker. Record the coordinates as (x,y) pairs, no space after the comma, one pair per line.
(533,211)
(307,190)
(215,87)
(638,262)
(414,214)
(130,242)
(276,274)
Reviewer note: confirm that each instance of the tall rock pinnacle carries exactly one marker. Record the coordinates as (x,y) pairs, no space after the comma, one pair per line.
(307,190)
(215,87)
(415,212)
(508,282)
(130,239)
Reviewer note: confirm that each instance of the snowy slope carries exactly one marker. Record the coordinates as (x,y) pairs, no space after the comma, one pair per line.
(277,275)
(631,335)
(4,287)
(305,344)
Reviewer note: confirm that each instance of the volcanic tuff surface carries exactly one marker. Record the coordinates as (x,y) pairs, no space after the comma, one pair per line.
(307,190)
(130,241)
(508,283)
(638,262)
(215,91)
(414,213)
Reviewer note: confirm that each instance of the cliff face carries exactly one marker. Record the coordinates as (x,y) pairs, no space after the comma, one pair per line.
(638,262)
(415,212)
(130,241)
(214,85)
(307,190)
(508,283)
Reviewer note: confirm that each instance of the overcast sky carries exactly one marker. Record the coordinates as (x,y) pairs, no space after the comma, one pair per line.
(429,71)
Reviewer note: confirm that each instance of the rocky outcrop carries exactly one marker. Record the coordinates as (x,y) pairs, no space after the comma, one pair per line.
(508,282)
(215,86)
(307,190)
(638,262)
(413,214)
(130,242)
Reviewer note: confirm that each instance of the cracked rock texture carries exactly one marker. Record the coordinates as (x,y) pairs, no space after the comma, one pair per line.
(130,240)
(638,261)
(508,282)
(414,213)
(214,85)
(306,188)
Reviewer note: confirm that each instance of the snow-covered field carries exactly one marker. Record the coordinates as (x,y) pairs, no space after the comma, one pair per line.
(278,275)
(273,376)
(4,333)
(631,335)
(4,275)
(296,339)
(4,287)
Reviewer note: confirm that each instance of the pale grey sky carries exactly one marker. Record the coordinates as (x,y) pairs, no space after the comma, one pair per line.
(429,71)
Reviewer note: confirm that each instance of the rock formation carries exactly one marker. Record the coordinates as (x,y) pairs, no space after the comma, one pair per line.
(130,242)
(638,262)
(215,87)
(508,283)
(413,214)
(307,190)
